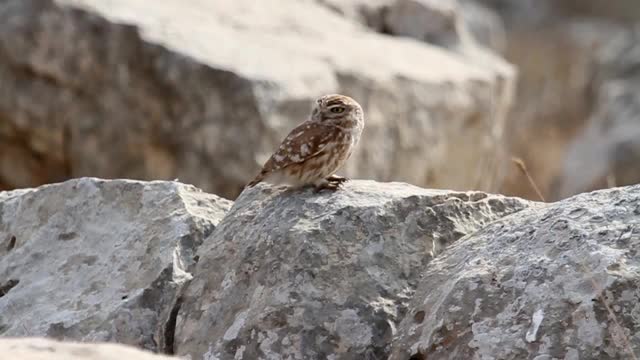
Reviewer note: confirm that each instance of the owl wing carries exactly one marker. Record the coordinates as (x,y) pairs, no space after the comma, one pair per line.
(304,142)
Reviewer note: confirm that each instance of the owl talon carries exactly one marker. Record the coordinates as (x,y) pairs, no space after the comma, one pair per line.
(337,179)
(327,186)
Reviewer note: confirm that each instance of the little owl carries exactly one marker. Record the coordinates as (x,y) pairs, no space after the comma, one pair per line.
(317,148)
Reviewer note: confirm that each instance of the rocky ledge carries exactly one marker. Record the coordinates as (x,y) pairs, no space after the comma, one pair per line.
(373,271)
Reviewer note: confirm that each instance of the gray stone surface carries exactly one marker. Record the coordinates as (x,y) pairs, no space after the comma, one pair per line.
(46,349)
(535,285)
(449,24)
(486,26)
(371,13)
(205,92)
(607,152)
(298,275)
(433,18)
(100,260)
(433,21)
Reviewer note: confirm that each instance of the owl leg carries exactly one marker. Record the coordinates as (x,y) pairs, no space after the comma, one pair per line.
(324,184)
(332,183)
(337,179)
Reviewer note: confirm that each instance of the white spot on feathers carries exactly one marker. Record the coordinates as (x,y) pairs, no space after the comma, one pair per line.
(304,149)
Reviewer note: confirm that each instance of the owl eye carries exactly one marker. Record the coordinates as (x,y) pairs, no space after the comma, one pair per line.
(337,109)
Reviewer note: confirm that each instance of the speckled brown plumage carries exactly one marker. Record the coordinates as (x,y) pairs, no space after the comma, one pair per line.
(314,150)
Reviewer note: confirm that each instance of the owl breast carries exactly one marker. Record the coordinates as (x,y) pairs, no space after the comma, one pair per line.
(334,156)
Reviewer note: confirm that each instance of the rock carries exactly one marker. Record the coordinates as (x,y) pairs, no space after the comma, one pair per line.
(206,92)
(542,283)
(554,97)
(618,10)
(442,23)
(299,275)
(434,19)
(47,349)
(98,260)
(519,14)
(485,25)
(371,13)
(554,100)
(607,151)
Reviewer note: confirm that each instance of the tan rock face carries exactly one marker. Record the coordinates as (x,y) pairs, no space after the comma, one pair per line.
(205,93)
(555,46)
(293,274)
(607,152)
(554,97)
(97,260)
(32,348)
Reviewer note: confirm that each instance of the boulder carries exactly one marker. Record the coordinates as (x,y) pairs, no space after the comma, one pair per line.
(485,25)
(100,260)
(606,152)
(451,25)
(434,21)
(46,349)
(371,13)
(207,91)
(299,275)
(560,281)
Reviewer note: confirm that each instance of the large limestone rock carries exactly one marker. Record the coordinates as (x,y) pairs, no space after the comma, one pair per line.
(47,349)
(97,260)
(205,92)
(607,152)
(299,275)
(441,22)
(555,282)
(371,13)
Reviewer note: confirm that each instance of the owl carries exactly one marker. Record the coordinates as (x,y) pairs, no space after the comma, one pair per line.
(314,150)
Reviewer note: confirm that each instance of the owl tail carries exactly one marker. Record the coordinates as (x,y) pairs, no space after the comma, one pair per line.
(258,179)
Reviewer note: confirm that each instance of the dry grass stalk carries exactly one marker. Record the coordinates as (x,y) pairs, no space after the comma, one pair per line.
(523,168)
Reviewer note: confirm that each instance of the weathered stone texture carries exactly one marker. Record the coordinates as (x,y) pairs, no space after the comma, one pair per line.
(206,92)
(97,260)
(554,282)
(311,276)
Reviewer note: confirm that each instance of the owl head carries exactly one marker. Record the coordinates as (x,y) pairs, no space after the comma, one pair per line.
(336,108)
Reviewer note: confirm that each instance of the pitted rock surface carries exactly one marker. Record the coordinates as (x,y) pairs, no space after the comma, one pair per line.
(298,275)
(535,285)
(100,260)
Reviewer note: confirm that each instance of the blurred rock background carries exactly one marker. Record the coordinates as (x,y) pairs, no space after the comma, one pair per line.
(205,91)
